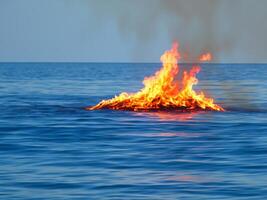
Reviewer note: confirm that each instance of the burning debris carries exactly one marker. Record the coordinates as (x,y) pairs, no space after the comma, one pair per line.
(163,91)
(205,57)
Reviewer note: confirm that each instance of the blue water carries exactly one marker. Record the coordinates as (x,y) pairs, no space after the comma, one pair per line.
(51,148)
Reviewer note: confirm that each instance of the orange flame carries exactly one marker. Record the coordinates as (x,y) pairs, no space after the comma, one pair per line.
(163,92)
(205,57)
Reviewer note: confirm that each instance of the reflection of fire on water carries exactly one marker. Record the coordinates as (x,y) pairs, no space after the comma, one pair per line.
(163,91)
(169,116)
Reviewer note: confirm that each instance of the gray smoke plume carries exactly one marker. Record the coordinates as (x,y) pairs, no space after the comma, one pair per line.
(188,21)
(225,27)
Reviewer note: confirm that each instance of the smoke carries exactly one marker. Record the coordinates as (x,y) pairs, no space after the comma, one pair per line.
(192,23)
(224,27)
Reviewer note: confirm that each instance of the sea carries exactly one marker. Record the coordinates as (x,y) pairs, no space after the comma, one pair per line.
(52,148)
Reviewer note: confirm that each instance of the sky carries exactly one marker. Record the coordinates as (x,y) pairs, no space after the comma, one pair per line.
(234,31)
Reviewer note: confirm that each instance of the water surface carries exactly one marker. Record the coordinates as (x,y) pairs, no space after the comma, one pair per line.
(51,148)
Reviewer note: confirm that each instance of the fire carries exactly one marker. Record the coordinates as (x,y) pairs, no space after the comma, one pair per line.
(205,57)
(163,91)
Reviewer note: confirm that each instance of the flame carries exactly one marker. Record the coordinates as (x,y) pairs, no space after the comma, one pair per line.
(205,57)
(163,91)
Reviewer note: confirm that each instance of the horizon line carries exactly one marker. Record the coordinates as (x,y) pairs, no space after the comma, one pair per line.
(105,62)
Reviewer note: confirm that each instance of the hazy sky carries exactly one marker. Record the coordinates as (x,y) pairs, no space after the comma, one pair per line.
(131,30)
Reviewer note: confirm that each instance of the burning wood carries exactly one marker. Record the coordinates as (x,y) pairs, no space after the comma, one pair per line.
(163,92)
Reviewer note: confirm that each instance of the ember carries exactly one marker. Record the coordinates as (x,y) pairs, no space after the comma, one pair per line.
(205,57)
(163,91)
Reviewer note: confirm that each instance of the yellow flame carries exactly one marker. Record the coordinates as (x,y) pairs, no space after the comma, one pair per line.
(163,92)
(205,57)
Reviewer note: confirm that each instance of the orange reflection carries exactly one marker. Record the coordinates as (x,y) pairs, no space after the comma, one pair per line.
(170,116)
(174,134)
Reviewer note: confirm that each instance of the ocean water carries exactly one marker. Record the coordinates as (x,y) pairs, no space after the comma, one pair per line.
(52,148)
